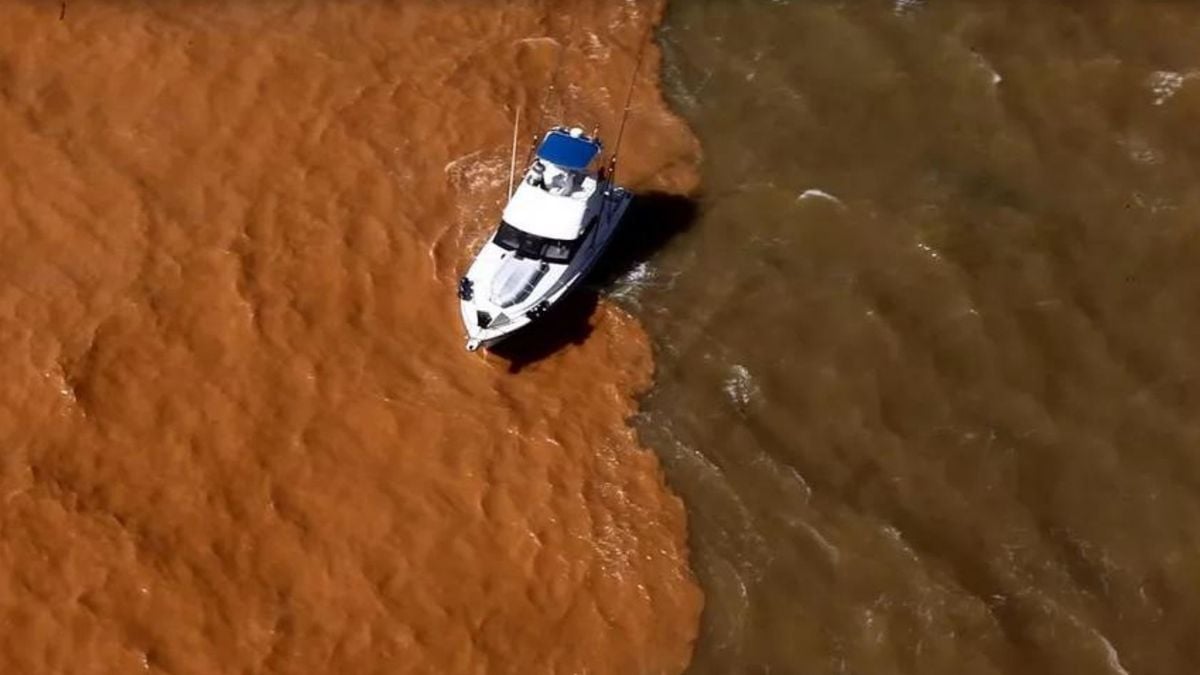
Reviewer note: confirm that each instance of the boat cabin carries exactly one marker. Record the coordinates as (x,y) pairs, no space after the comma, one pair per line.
(552,200)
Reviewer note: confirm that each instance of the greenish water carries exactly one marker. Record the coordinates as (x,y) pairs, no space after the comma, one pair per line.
(927,363)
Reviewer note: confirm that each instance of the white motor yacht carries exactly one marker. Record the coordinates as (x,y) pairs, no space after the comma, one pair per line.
(554,228)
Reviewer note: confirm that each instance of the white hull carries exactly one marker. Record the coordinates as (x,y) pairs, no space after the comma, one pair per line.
(498,305)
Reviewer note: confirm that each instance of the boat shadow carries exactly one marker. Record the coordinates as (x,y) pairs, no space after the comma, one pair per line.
(651,222)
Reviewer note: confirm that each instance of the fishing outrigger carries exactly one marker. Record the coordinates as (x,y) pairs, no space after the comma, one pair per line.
(556,225)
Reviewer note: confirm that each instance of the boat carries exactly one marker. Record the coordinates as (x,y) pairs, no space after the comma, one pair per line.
(554,228)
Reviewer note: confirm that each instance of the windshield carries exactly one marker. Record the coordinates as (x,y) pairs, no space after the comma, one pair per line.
(532,246)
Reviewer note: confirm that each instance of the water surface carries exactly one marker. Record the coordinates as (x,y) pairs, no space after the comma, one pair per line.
(238,428)
(927,374)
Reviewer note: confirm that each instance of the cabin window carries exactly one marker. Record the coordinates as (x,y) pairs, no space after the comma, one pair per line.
(557,251)
(527,245)
(509,237)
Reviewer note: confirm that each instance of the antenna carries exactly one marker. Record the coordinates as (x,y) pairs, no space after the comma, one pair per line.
(554,76)
(612,163)
(512,164)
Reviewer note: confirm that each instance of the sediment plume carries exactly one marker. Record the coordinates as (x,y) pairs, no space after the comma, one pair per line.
(240,430)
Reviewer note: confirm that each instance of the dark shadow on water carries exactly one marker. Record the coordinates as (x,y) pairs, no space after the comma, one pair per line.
(651,222)
(566,323)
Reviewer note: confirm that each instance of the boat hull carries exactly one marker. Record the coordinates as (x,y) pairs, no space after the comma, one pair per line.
(553,286)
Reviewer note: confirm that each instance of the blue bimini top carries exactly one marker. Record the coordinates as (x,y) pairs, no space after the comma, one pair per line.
(567,151)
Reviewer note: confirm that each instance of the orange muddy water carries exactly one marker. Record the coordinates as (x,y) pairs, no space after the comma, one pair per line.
(240,432)
(923,348)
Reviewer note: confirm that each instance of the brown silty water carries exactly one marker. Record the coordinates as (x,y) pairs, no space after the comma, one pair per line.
(926,365)
(929,362)
(239,429)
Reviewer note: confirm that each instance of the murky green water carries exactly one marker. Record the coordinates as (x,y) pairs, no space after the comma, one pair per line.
(928,374)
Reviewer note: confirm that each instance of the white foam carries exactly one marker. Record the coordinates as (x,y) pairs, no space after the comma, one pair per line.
(595,48)
(834,555)
(799,481)
(986,67)
(1141,151)
(814,193)
(894,534)
(740,386)
(1151,203)
(475,172)
(929,250)
(1164,84)
(1111,655)
(537,39)
(630,285)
